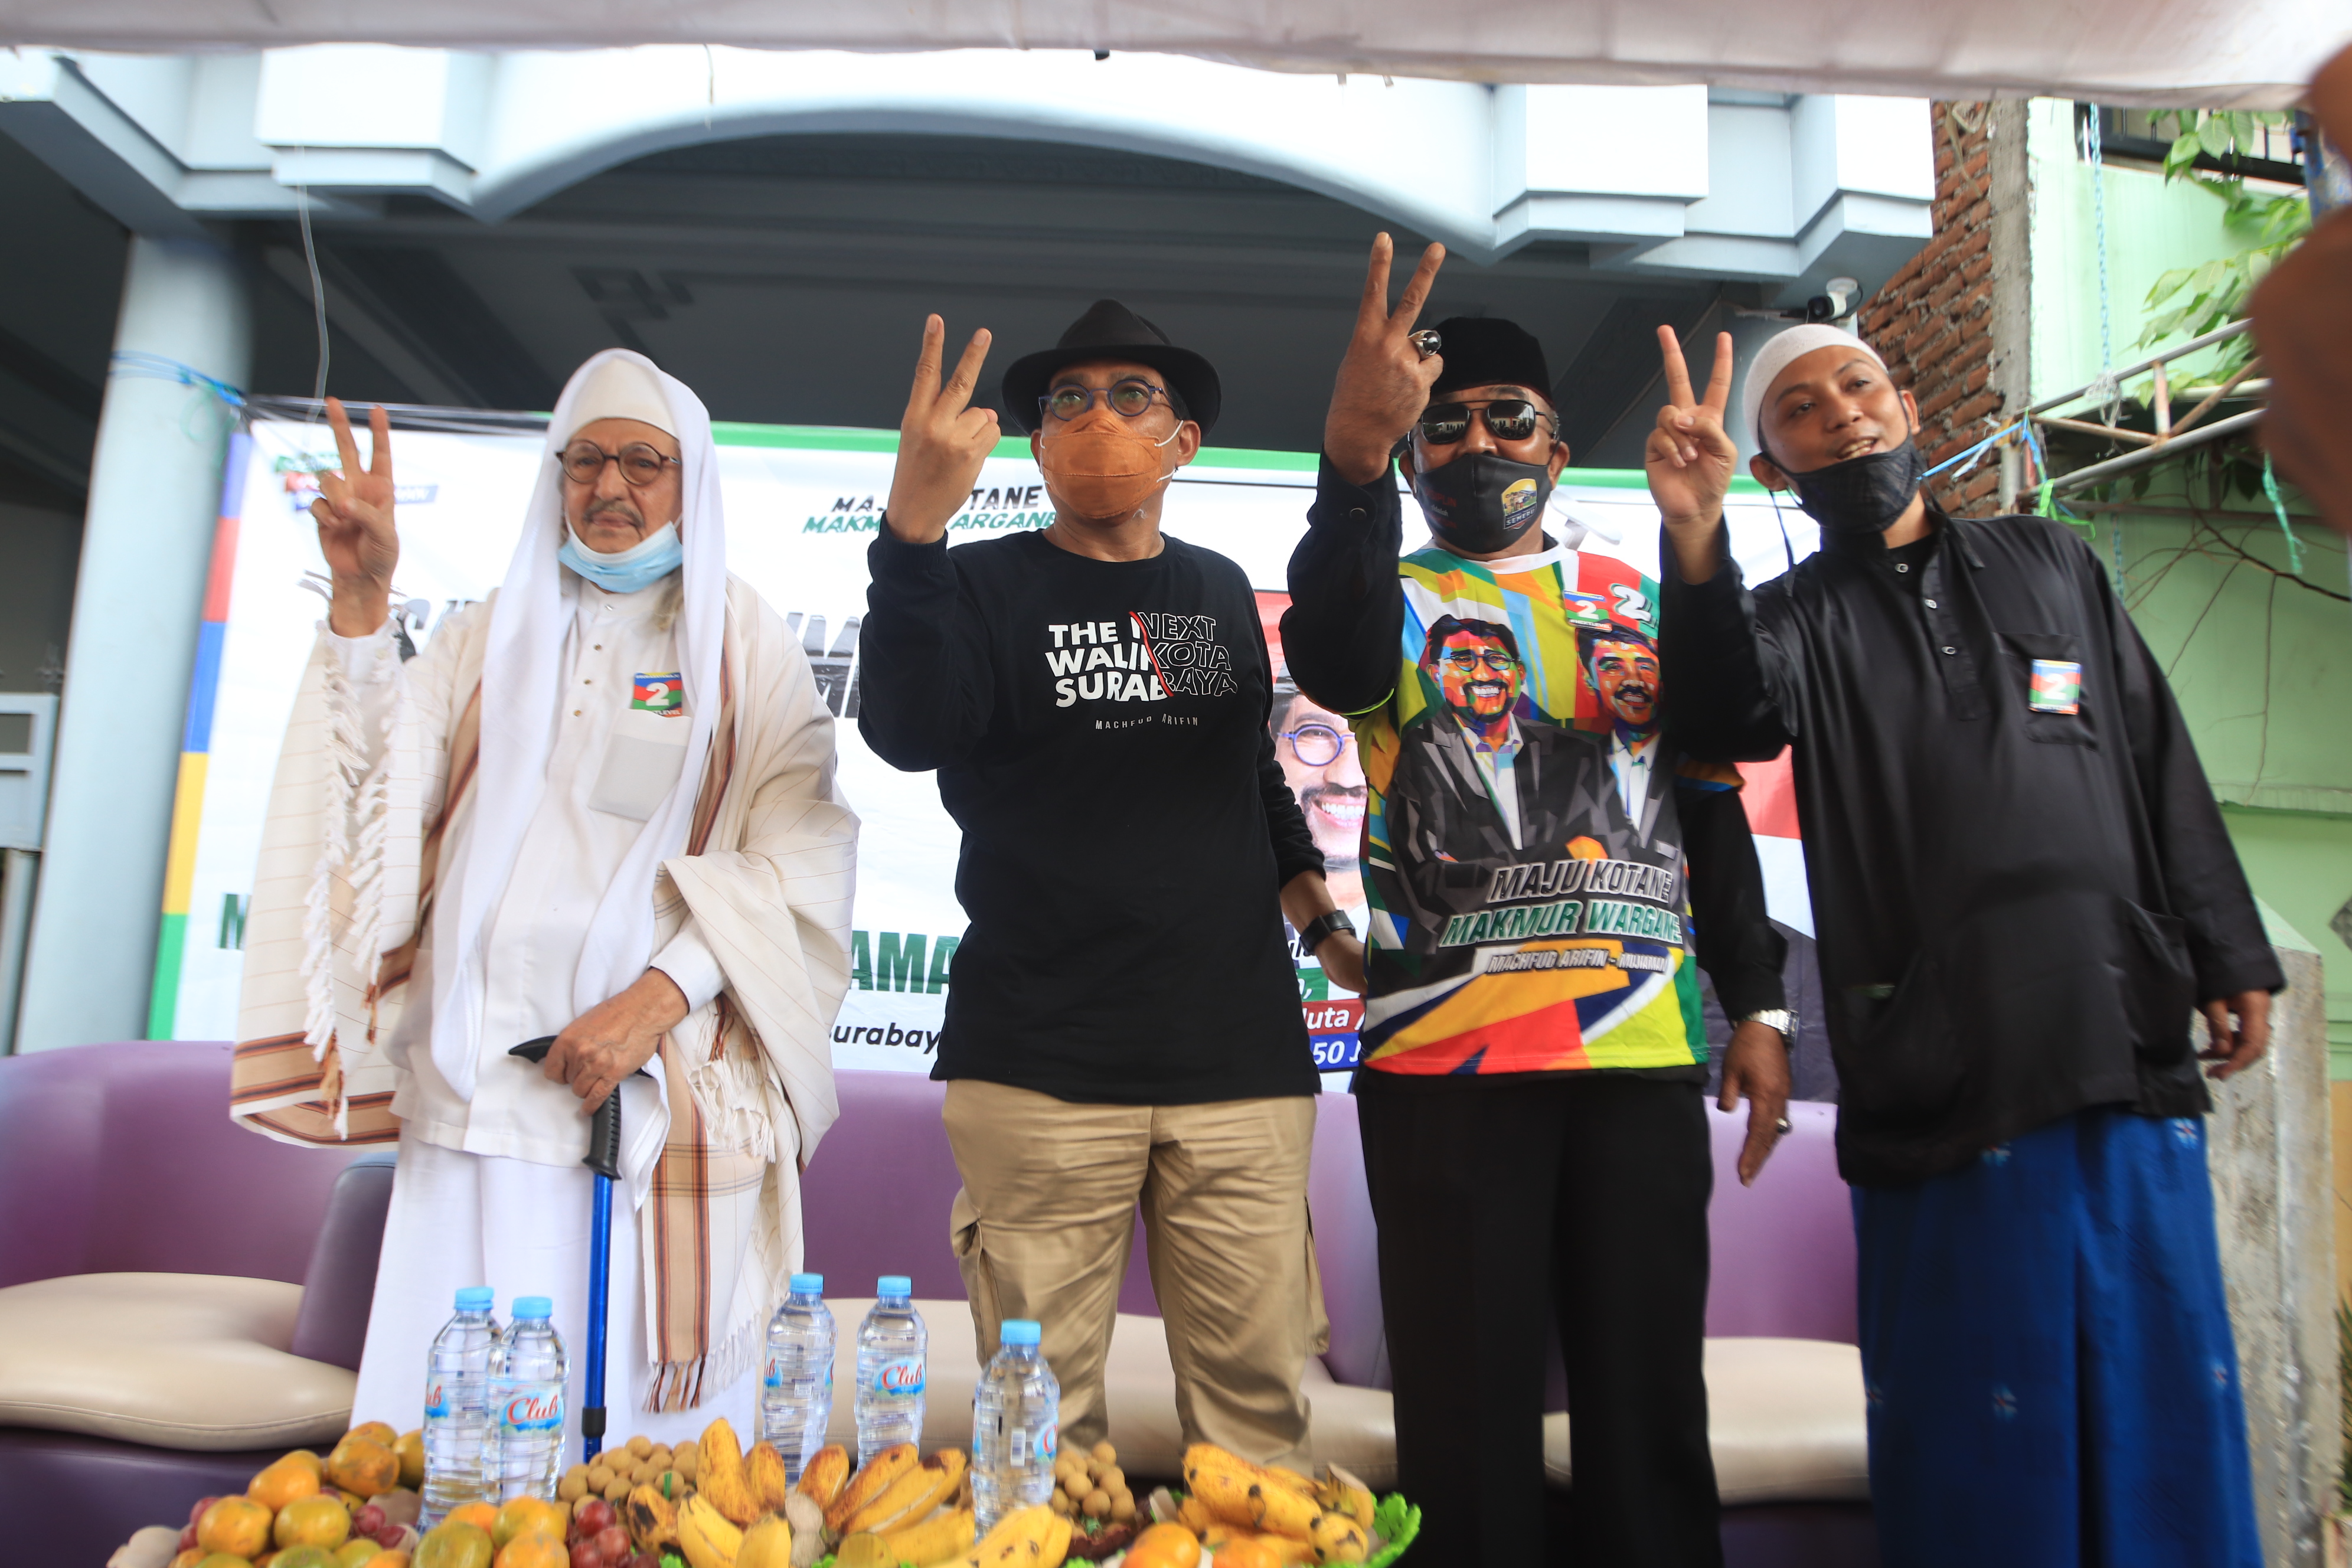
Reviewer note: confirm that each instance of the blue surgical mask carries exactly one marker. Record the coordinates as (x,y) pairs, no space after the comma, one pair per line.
(641,565)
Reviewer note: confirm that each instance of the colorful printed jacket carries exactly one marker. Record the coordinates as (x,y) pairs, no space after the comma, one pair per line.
(1541,871)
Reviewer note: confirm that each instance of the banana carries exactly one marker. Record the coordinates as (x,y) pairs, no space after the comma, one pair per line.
(767,1544)
(1056,1544)
(1338,1538)
(720,1476)
(1018,1541)
(765,1473)
(822,1477)
(1343,1494)
(1279,1549)
(1194,1516)
(912,1495)
(708,1537)
(868,1484)
(1241,1493)
(947,1533)
(651,1519)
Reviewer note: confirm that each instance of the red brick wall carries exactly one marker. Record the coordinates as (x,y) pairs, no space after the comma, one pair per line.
(1932,321)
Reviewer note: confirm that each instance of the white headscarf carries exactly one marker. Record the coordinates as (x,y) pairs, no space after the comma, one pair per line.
(521,682)
(1779,351)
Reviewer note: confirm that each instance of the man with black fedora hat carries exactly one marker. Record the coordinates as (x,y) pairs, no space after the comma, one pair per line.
(1542,874)
(1123,1024)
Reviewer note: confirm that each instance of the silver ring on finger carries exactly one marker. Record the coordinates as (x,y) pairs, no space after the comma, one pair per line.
(1782,1128)
(1426,341)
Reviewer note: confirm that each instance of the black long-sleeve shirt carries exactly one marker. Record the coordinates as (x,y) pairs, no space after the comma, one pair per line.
(2020,882)
(1469,968)
(1099,730)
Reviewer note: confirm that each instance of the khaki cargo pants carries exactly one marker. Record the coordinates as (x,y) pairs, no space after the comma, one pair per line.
(1043,1227)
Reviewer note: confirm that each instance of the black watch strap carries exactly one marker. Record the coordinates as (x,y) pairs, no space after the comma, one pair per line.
(1322,928)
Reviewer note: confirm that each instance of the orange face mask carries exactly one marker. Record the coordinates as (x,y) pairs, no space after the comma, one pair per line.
(1101,466)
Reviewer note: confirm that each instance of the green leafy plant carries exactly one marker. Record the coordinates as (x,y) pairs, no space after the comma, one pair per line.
(2191,301)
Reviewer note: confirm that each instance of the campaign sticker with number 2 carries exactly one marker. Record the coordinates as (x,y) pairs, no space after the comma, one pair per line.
(2057,686)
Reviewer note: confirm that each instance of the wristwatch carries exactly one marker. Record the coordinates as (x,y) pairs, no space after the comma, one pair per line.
(1322,928)
(1778,1019)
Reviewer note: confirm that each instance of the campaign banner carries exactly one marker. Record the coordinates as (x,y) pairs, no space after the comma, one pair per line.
(802,506)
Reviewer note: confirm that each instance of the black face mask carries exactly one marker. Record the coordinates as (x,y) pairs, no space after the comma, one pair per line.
(1862,496)
(1481,503)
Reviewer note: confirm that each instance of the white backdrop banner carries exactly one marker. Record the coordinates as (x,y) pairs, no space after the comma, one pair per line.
(802,506)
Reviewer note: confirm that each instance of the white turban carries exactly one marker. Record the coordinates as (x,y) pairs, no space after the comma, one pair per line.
(1778,353)
(618,385)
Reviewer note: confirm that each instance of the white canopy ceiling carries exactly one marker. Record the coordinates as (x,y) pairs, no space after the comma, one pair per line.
(2211,53)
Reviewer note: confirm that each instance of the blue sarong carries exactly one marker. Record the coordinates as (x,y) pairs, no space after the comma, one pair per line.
(2047,1356)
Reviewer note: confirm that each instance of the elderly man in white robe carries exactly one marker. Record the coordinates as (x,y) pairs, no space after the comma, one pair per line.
(599,806)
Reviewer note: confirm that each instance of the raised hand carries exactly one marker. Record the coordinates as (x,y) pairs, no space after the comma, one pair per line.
(355,528)
(1690,458)
(1384,383)
(942,440)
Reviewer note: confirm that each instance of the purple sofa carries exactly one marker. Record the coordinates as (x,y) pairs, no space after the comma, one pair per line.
(122,1159)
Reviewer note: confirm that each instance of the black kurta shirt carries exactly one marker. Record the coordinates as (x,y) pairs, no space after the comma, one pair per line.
(2017,907)
(1100,729)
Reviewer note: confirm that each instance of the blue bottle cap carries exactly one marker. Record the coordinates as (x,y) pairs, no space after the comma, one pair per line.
(1018,1331)
(527,1309)
(474,1299)
(808,1284)
(894,1285)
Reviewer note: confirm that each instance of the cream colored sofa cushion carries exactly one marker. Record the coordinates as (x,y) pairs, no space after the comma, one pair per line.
(1785,1417)
(171,1361)
(1351,1426)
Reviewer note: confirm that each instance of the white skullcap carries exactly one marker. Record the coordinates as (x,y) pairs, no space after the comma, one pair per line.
(621,388)
(1776,356)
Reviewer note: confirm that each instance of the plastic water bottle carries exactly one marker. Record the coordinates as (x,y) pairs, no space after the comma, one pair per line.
(1016,1427)
(458,1435)
(796,1388)
(891,1346)
(527,1391)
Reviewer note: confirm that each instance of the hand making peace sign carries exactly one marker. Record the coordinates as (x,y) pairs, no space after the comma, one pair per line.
(1690,457)
(355,528)
(1384,383)
(942,440)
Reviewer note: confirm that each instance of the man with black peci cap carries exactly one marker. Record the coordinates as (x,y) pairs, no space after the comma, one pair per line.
(1123,1023)
(1542,874)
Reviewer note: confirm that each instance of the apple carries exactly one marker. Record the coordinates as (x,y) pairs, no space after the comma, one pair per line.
(595,1516)
(612,1541)
(368,1520)
(197,1512)
(585,1555)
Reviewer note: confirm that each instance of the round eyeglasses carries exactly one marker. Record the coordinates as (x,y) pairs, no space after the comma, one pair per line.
(582,462)
(1468,659)
(1129,399)
(1318,745)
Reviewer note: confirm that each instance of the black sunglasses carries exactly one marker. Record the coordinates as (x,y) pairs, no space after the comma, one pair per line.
(1506,419)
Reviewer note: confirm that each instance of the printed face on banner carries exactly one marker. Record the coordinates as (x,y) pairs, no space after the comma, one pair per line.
(1624,669)
(801,511)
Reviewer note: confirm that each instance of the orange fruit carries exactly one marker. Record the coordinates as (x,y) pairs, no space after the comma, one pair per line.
(1165,1546)
(360,1464)
(217,1559)
(351,1553)
(377,1432)
(284,1481)
(482,1516)
(237,1526)
(535,1549)
(303,1557)
(320,1522)
(526,1516)
(410,1452)
(453,1543)
(306,1459)
(1244,1551)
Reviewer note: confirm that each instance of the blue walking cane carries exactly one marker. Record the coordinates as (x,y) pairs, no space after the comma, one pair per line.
(605,1159)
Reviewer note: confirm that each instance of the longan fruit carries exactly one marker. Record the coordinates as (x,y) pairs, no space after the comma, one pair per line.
(1060,1504)
(1122,1508)
(1113,1478)
(572,1487)
(641,1444)
(1106,1453)
(1097,1504)
(599,1476)
(619,1490)
(686,1460)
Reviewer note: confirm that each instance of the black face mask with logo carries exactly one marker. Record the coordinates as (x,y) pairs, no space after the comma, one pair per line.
(1480,503)
(1862,496)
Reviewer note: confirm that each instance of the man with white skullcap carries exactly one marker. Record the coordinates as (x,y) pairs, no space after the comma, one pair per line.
(2021,888)
(599,806)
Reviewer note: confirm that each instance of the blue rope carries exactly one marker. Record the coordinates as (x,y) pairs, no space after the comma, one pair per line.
(2278,507)
(134,362)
